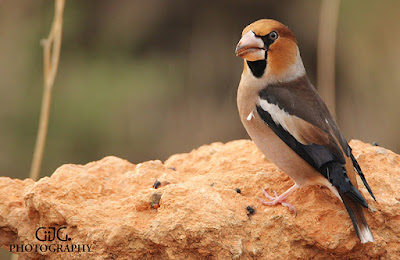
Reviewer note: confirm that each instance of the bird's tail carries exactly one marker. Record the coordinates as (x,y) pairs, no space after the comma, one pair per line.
(356,213)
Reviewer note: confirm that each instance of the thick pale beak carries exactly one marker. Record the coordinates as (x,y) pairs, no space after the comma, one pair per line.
(250,47)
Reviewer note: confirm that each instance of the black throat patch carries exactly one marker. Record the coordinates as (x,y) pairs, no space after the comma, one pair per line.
(257,67)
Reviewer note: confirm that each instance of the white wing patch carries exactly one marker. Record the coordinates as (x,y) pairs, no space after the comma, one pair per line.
(280,116)
(304,132)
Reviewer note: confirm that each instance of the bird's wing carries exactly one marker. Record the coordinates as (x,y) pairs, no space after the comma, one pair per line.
(297,114)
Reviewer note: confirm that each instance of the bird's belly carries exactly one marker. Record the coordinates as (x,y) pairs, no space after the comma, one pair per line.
(276,151)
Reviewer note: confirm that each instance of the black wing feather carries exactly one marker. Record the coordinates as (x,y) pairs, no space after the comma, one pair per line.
(360,173)
(319,157)
(327,159)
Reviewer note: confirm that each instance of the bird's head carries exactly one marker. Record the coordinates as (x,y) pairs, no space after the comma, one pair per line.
(267,46)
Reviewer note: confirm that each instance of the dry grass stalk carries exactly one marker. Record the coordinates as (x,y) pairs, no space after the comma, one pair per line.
(51,55)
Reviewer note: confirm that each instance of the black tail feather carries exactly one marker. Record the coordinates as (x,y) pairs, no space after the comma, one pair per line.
(355,195)
(356,214)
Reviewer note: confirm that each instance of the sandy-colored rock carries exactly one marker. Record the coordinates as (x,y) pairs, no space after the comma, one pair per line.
(111,208)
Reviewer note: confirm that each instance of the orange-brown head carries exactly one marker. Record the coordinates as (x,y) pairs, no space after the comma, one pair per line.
(271,43)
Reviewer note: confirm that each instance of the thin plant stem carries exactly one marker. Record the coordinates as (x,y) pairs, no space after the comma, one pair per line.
(51,54)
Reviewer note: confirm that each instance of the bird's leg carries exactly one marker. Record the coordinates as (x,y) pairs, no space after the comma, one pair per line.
(280,199)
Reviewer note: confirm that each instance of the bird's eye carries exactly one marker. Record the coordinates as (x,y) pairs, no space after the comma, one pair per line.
(273,35)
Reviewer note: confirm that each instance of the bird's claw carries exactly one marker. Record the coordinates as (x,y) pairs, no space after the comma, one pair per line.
(277,200)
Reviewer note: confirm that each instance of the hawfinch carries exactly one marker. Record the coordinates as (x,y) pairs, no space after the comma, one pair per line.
(290,124)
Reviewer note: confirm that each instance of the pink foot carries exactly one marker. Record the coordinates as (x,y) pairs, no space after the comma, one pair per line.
(279,199)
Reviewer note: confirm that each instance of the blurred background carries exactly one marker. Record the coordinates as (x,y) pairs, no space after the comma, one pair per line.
(147,79)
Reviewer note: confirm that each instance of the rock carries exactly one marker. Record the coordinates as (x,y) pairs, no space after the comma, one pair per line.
(109,209)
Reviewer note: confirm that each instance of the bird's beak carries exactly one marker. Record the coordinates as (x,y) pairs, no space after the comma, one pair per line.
(250,47)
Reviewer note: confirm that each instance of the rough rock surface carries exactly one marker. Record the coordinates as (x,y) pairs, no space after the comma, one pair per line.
(195,212)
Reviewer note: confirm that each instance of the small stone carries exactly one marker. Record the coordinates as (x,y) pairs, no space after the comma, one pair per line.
(155,200)
(156,184)
(250,210)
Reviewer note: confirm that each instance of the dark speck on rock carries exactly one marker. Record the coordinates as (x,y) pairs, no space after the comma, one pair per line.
(155,200)
(156,184)
(250,210)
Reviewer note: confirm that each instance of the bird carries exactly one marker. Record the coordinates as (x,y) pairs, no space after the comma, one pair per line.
(291,125)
